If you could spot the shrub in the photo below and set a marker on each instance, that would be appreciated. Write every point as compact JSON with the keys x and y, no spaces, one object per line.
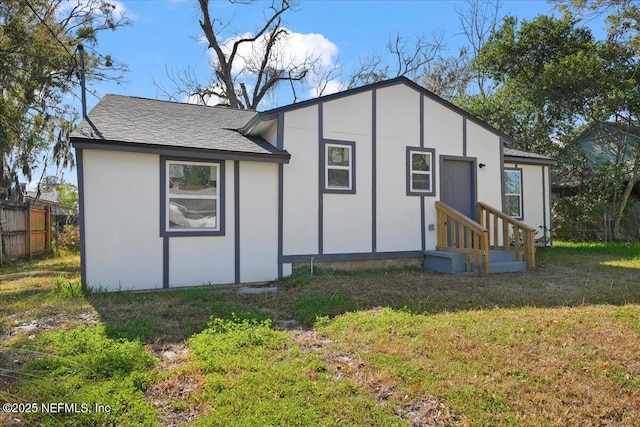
{"x":69,"y":238}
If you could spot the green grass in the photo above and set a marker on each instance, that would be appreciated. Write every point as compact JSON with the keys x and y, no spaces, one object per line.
{"x":554,"y":346}
{"x":258,"y":376}
{"x":85,"y":368}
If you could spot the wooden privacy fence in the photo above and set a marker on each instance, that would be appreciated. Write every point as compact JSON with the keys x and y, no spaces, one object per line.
{"x":25,"y":231}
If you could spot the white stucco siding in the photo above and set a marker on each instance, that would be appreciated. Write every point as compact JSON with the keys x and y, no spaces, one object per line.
{"x":535,"y":198}
{"x":485,"y":147}
{"x":202,"y":260}
{"x":122,"y":240}
{"x":300,"y":210}
{"x":442,"y":129}
{"x":347,"y":218}
{"x":258,"y":221}
{"x":397,"y":126}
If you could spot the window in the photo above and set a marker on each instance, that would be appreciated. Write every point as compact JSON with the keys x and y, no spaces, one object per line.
{"x":192,"y":197}
{"x":420,"y":176}
{"x":513,"y":192}
{"x":339,"y":167}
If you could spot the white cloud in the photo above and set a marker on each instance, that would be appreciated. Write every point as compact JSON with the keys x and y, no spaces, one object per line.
{"x":292,"y":50}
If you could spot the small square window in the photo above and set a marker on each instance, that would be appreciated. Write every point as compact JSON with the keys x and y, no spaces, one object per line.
{"x":191,"y":198}
{"x":339,"y":167}
{"x":420,"y":177}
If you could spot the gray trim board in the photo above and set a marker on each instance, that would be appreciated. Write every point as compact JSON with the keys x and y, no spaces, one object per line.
{"x":280,"y":134}
{"x":81,"y":218}
{"x":280,"y":218}
{"x":280,"y":144}
{"x":423,"y":226}
{"x":464,"y":137}
{"x":409,"y":151}
{"x":503,"y":207}
{"x":544,"y":204}
{"x":361,"y":256}
{"x":194,"y":153}
{"x":165,"y":262}
{"x":352,"y":145}
{"x":236,"y":215}
{"x":528,"y":161}
{"x":423,"y":219}
{"x":421,"y":119}
{"x":374,"y":159}
{"x":321,"y":179}
{"x":549,"y":209}
{"x":163,"y":197}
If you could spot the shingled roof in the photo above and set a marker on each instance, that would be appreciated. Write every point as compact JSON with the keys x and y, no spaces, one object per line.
{"x":140,"y":121}
{"x":517,"y":155}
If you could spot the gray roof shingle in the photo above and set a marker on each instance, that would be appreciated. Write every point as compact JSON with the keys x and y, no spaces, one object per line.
{"x":128,"y":119}
{"x":509,"y":151}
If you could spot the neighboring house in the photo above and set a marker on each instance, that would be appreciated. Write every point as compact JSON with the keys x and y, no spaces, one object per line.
{"x":600,"y":143}
{"x":599,"y":150}
{"x":177,"y":195}
{"x":50,"y":198}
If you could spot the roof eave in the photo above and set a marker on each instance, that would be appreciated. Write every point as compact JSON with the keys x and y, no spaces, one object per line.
{"x":127,"y":146}
{"x":529,"y":160}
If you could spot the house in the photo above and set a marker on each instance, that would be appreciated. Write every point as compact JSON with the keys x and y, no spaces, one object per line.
{"x":50,"y":198}
{"x":177,"y":195}
{"x":607,"y":150}
{"x":600,"y":143}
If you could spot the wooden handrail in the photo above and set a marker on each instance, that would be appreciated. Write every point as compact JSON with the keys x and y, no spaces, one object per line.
{"x":459,"y":233}
{"x":508,"y":237}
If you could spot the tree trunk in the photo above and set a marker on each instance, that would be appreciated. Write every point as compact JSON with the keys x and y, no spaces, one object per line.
{"x":622,"y":204}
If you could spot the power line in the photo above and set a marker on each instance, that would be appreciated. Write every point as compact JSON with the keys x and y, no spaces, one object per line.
{"x":51,"y":31}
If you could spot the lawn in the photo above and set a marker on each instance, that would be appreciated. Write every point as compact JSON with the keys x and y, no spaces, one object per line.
{"x":397,"y":347}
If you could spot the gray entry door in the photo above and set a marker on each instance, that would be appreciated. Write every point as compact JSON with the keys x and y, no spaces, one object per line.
{"x":457,"y":187}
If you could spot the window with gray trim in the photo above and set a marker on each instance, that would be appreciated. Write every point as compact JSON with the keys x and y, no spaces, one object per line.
{"x":420,"y":171}
{"x":192,"y":197}
{"x":339,"y":167}
{"x":513,"y":192}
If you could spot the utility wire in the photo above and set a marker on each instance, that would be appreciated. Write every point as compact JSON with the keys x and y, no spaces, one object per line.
{"x":51,"y":31}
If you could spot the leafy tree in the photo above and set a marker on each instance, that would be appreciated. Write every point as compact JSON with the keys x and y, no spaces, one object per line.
{"x":550,"y":76}
{"x":49,"y":183}
{"x":38,"y":63}
{"x":622,"y":17}
{"x":543,"y":73}
{"x":68,"y":194}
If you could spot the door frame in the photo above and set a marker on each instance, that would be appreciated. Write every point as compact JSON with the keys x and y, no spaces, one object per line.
{"x":473,"y":161}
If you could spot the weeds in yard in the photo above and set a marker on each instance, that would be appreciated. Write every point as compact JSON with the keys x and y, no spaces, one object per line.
{"x":258,"y":376}
{"x":68,"y":288}
{"x":562,"y":366}
{"x":83,"y":368}
{"x":554,"y":346}
{"x":310,"y":307}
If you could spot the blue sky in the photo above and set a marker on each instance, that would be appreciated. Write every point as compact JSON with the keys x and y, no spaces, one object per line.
{"x":165,"y":34}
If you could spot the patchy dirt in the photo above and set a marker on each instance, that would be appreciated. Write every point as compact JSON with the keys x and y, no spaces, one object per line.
{"x":175,"y":385}
{"x":424,"y":411}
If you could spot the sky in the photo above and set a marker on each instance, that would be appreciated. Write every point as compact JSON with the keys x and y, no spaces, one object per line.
{"x":165,"y":37}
